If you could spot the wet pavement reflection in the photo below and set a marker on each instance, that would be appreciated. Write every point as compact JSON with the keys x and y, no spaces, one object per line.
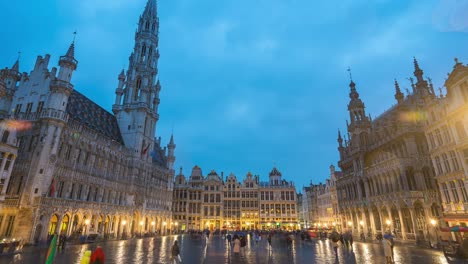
{"x":217,"y":251}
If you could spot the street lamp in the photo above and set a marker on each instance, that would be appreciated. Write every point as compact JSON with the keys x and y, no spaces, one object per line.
{"x":141,"y":227}
{"x":123,"y":228}
{"x":87,"y":226}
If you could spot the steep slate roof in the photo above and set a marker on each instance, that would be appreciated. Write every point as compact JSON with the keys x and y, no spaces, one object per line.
{"x":88,"y":113}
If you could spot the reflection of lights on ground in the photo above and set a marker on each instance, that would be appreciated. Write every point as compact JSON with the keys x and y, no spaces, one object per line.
{"x":120,"y":250}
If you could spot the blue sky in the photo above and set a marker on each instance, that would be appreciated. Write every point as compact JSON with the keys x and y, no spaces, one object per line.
{"x":247,"y":84}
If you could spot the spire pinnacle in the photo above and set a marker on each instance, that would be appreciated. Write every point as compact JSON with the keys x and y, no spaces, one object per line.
{"x":418,"y":73}
{"x":151,"y":8}
{"x":171,"y":141}
{"x":16,"y":65}
{"x":122,"y":75}
{"x":398,"y":94}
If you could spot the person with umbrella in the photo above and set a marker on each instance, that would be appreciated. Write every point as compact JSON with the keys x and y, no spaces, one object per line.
{"x":237,"y":245}
{"x":387,"y":244}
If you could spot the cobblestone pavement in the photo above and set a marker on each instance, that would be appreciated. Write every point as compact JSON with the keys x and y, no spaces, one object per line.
{"x":215,"y":251}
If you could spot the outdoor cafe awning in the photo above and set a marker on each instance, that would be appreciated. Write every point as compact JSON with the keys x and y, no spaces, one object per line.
{"x":454,"y":229}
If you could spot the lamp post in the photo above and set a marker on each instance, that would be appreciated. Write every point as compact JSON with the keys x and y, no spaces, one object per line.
{"x":164,"y":224}
{"x":86,"y":226}
{"x":123,"y":227}
{"x":177,"y":226}
{"x":141,"y":227}
{"x":388,"y":222}
{"x":434,"y":225}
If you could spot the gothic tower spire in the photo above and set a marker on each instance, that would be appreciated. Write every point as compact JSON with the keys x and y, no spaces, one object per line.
{"x":137,"y":96}
{"x":421,"y":87}
{"x":398,"y":94}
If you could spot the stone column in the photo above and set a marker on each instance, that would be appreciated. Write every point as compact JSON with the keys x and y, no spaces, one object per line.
{"x":372,"y":220}
{"x":413,"y":220}
{"x":403,"y":228}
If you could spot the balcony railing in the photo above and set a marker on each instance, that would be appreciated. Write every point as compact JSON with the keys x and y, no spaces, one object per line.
{"x":45,"y":113}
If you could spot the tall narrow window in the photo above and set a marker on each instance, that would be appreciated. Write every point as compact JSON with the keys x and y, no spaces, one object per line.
{"x":453,"y":187}
{"x":60,"y":189}
{"x":462,"y":187}
{"x":137,"y":90}
{"x":18,"y":108}
{"x":453,"y":157}
{"x":29,"y":108}
{"x":40,"y":106}
{"x":5,"y":136}
{"x":143,"y":52}
{"x":446,"y":163}
{"x":8,"y":162}
{"x":438,"y":166}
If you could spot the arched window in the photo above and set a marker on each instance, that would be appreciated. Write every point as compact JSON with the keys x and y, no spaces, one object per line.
{"x":143,"y":52}
{"x":137,"y":90}
{"x":147,"y":25}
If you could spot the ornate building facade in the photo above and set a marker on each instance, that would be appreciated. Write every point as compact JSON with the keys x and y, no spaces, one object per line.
{"x":80,"y":169}
{"x":320,"y":203}
{"x":388,"y":178}
{"x":214,"y":203}
{"x":447,"y":134}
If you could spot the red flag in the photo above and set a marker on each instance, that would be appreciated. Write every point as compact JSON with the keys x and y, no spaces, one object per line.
{"x":52,"y":187}
{"x":145,"y":150}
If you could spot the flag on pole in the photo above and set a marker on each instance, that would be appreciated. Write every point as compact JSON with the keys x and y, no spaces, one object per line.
{"x":52,"y":187}
{"x":145,"y":150}
{"x":51,"y":251}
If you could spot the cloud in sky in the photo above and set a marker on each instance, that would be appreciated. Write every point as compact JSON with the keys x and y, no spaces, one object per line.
{"x":247,"y":84}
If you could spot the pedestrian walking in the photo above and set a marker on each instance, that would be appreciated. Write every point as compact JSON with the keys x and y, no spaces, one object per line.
{"x":335,"y":237}
{"x":269,"y":241}
{"x":389,"y":236}
{"x":349,"y":238}
{"x":237,"y":245}
{"x":229,"y":238}
{"x":387,"y":244}
{"x":98,"y":256}
{"x":62,"y":241}
{"x":175,"y":253}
